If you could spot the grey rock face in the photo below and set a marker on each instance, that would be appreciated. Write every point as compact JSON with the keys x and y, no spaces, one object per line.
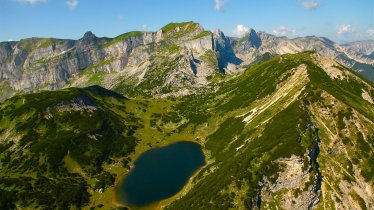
{"x":253,"y":39}
{"x":88,"y":39}
{"x":355,"y":55}
{"x":223,"y":46}
{"x":200,"y":45}
{"x":361,"y":47}
{"x":34,"y":64}
{"x":250,"y":40}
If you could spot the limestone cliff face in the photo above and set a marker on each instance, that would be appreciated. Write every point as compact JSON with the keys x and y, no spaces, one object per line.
{"x":200,"y":45}
{"x":34,"y":64}
{"x":26,"y":68}
{"x":226,"y":52}
{"x":295,"y":132}
{"x":297,"y":185}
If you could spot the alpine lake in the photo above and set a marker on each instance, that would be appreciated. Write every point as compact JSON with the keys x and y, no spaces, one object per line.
{"x":159,"y":173}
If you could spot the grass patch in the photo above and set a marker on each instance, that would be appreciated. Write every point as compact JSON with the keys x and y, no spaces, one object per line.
{"x":184,"y":29}
{"x":123,"y":37}
{"x":359,"y":200}
{"x":201,"y":35}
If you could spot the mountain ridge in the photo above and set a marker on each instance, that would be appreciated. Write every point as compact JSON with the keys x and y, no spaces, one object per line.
{"x":137,"y":59}
{"x":301,"y":115}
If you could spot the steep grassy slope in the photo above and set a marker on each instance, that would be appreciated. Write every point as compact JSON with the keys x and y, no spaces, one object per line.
{"x":54,"y":146}
{"x":293,"y":132}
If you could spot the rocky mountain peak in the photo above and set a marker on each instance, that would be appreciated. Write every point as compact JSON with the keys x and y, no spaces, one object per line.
{"x":51,"y":63}
{"x":178,"y":30}
{"x":88,"y":38}
{"x":218,"y":33}
{"x":252,"y":39}
{"x":264,"y":35}
{"x":251,"y":31}
{"x":89,"y":35}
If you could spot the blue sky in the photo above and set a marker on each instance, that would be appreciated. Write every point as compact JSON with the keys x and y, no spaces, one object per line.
{"x":339,"y":20}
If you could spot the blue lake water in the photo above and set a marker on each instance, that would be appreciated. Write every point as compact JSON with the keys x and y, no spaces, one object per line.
{"x":160,"y":173}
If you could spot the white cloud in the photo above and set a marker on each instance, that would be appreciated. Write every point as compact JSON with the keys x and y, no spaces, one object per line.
{"x":120,"y":17}
{"x":283,"y":31}
{"x":311,"y":4}
{"x":219,"y":5}
{"x":32,"y":1}
{"x":370,"y":32}
{"x":72,"y":4}
{"x":145,"y":27}
{"x":344,"y":29}
{"x":240,"y":30}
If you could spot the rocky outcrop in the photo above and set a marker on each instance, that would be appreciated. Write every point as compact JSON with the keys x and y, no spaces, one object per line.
{"x":250,"y":40}
{"x":201,"y":45}
{"x":297,"y":185}
{"x":223,"y":46}
{"x":35,"y":64}
{"x":255,"y":44}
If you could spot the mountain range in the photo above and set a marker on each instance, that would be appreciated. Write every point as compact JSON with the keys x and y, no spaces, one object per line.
{"x":283,"y":123}
{"x":180,"y":57}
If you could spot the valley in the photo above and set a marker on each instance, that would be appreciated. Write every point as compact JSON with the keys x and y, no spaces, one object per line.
{"x":302,"y":115}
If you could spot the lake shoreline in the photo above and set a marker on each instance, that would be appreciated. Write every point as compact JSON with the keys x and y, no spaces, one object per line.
{"x":188,"y":152}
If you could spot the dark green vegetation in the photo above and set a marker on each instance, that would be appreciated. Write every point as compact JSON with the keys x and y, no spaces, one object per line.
{"x":281,"y":113}
{"x":289,"y":132}
{"x":59,"y":143}
{"x":247,"y":167}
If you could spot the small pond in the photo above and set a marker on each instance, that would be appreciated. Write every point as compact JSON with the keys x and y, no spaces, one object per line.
{"x":160,"y":173}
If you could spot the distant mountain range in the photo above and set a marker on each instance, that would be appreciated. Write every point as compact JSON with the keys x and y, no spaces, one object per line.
{"x":179,"y":59}
{"x":361,"y":47}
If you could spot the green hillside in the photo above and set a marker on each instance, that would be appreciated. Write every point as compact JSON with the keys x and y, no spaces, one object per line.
{"x":293,"y":132}
{"x":277,"y":115}
{"x":55,"y":146}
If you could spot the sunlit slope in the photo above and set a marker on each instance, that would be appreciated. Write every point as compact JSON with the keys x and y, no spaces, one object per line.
{"x":56,"y":146}
{"x":294,"y":132}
